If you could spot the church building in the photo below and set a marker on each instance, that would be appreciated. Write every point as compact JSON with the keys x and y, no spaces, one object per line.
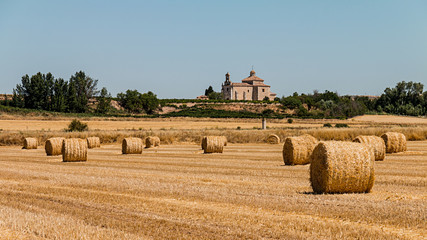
{"x":251,"y":88}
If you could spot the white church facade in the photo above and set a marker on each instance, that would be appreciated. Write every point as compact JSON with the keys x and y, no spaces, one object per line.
{"x":251,"y":88}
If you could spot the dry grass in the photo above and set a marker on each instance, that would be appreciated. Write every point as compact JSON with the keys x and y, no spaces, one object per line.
{"x":175,"y":192}
{"x":13,"y":132}
{"x":233,"y":136}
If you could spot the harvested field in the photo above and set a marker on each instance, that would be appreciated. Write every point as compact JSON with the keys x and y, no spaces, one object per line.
{"x":177,"y":192}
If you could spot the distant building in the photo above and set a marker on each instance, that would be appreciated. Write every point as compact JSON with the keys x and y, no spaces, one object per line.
{"x":251,"y":88}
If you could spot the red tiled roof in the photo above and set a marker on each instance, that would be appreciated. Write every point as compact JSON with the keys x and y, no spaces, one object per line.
{"x":241,"y":85}
{"x":252,"y":78}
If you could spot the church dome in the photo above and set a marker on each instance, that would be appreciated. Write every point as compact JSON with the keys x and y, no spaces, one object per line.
{"x":252,"y":73}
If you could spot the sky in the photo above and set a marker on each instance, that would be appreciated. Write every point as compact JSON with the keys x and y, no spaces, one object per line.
{"x":176,"y":49}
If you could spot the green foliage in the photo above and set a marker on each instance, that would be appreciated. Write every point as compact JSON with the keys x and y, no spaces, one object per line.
{"x":83,"y":88}
{"x":209,"y":90}
{"x":104,"y":101}
{"x":77,"y":126}
{"x":150,"y":103}
{"x":213,"y":113}
{"x":407,"y":98}
{"x":328,"y":125}
{"x":267,"y":113}
{"x":135,"y":102}
{"x":290,"y":120}
{"x":44,"y":92}
{"x":214,"y":96}
{"x":291,"y":102}
{"x":341,"y":125}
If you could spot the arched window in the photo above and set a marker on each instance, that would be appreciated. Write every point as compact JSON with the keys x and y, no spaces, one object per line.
{"x":235,"y":95}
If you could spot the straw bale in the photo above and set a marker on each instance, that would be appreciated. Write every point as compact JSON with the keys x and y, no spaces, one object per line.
{"x":152,"y":142}
{"x":297,"y":150}
{"x":394,"y":142}
{"x":342,"y":167}
{"x":213,"y":144}
{"x":74,"y":150}
{"x":132,"y":145}
{"x":224,"y":139}
{"x":30,"y":143}
{"x":93,"y":142}
{"x":375,"y":143}
{"x":273,"y":139}
{"x":53,"y":146}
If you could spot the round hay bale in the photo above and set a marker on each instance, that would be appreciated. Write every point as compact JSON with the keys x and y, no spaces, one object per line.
{"x":224,"y":139}
{"x":132,"y":145}
{"x":342,"y":167}
{"x":74,"y":150}
{"x":93,"y":142}
{"x":30,"y":143}
{"x":53,"y":146}
{"x":152,"y":142}
{"x":394,"y":142}
{"x":273,"y":139}
{"x":213,"y":144}
{"x":297,"y":150}
{"x":375,"y":143}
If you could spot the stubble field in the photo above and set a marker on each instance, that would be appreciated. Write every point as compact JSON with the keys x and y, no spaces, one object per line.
{"x":176,"y":192}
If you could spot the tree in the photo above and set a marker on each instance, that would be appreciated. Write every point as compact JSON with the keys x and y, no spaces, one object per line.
{"x":84,"y":88}
{"x":135,"y":102}
{"x":406,"y":98}
{"x":59,"y":97}
{"x":34,"y":92}
{"x":104,"y":101}
{"x":150,"y":103}
{"x":131,"y":101}
{"x":215,"y":96}
{"x":291,"y":102}
{"x":208,"y":91}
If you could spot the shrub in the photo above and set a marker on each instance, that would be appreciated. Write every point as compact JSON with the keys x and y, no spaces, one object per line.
{"x":239,"y":128}
{"x":77,"y":126}
{"x":290,"y":120}
{"x":341,"y":125}
{"x":327,"y":125}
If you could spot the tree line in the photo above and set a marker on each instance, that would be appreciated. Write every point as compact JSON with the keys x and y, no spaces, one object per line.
{"x":45,"y":92}
{"x":407,"y":98}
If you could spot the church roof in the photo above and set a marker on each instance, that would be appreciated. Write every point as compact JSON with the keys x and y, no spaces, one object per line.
{"x":241,"y":85}
{"x":252,"y":77}
{"x":248,"y":85}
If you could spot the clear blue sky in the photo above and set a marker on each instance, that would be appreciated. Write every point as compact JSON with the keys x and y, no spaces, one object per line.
{"x":178,"y":48}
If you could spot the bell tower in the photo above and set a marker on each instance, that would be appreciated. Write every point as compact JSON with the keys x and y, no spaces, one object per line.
{"x":227,"y":79}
